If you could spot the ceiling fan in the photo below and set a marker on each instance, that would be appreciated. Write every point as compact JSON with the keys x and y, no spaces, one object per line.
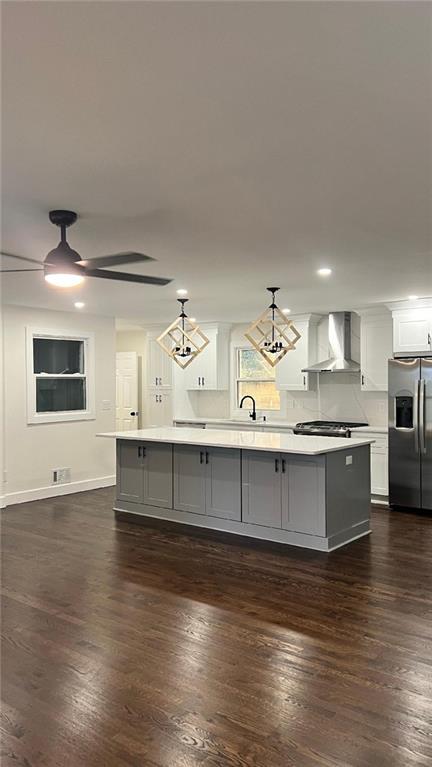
{"x":64,"y":267}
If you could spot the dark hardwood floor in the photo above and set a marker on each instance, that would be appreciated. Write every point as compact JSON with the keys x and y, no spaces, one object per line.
{"x":131,"y":645}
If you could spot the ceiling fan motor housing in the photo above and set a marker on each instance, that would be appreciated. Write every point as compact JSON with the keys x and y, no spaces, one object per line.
{"x":62,"y":217}
{"x":63,"y":255}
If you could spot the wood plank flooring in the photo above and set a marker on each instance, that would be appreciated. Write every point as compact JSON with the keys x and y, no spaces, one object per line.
{"x":126,"y":645}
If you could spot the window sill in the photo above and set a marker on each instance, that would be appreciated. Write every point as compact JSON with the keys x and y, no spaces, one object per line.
{"x":61,"y":417}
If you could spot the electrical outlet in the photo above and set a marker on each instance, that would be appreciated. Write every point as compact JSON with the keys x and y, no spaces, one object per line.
{"x":60,"y":476}
{"x":348,"y":460}
{"x":106,"y":404}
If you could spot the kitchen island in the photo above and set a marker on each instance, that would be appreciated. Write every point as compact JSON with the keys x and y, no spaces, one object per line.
{"x":305,"y":491}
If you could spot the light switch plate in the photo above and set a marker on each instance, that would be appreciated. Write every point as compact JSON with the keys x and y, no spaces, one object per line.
{"x":348,"y":460}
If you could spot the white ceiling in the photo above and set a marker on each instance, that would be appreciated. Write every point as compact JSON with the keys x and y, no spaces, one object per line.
{"x":242,"y":145}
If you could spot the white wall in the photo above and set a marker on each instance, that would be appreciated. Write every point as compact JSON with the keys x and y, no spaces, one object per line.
{"x":32,"y":451}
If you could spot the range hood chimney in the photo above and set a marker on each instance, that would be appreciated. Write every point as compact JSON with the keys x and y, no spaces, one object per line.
{"x":340,"y":346}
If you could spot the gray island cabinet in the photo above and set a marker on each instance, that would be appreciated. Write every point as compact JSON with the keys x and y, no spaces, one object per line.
{"x":305,"y":491}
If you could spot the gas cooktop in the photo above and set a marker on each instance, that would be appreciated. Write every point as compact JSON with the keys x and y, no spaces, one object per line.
{"x":327,"y":428}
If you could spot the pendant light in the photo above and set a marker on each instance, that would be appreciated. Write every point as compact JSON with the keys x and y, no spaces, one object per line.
{"x":272,"y":334}
{"x":183,"y":340}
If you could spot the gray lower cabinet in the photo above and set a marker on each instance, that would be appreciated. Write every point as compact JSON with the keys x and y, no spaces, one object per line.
{"x":303,"y":494}
{"x":189,"y":482}
{"x":223,"y":483}
{"x":261,"y":488}
{"x":144,"y":473}
{"x":129,"y":471}
{"x":284,"y":491}
{"x":207,"y":481}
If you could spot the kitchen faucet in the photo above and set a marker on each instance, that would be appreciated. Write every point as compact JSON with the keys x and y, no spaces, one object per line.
{"x":253,"y":414}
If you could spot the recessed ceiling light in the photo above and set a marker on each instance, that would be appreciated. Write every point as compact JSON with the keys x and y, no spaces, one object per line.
{"x":182,"y":292}
{"x":412,"y":298}
{"x":79,"y":304}
{"x":324,"y":272}
{"x":286,"y":311}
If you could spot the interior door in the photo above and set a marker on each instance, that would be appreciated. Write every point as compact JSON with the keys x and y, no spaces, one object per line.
{"x":126,"y":391}
{"x":404,"y":454}
{"x":425,"y":425}
{"x":261,"y":488}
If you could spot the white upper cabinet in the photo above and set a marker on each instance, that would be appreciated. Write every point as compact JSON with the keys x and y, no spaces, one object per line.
{"x":376,"y":347}
{"x":159,"y":364}
{"x":412,"y":330}
{"x":209,"y":371}
{"x":289,"y":375}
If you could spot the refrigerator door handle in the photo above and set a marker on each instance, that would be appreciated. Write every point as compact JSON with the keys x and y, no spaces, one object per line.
{"x":422,"y":434}
{"x":416,"y":416}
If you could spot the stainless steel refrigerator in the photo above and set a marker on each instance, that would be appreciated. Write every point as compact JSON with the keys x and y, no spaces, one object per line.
{"x":410,"y":432}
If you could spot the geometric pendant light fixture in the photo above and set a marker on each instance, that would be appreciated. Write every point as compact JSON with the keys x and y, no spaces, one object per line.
{"x":183,"y":340}
{"x":272,"y":334}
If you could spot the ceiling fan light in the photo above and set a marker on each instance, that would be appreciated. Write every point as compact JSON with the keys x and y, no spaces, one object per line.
{"x":64,"y":280}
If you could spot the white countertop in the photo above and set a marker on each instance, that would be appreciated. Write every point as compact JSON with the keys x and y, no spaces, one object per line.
{"x":370,"y":429}
{"x":242,"y":440}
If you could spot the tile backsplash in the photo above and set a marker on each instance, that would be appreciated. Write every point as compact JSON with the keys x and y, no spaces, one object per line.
{"x":336,"y":397}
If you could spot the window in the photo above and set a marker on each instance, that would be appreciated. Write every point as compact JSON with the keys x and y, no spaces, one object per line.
{"x":256,"y":377}
{"x":60,"y":385}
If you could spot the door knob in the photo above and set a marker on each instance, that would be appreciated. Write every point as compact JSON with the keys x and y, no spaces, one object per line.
{"x":134,"y":412}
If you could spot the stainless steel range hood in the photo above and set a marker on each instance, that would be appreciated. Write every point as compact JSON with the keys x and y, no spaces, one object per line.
{"x":340,"y":345}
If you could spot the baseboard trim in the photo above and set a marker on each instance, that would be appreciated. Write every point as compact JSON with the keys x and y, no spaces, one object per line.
{"x":380,"y":500}
{"x":39,"y":493}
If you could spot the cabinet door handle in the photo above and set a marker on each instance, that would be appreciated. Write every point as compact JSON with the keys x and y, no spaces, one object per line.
{"x":283,"y":465}
{"x":199,"y":380}
{"x":363,"y":380}
{"x":429,"y":339}
{"x":139,"y":451}
{"x":207,"y":457}
{"x":156,"y":381}
{"x":160,"y":381}
{"x":276,"y":465}
{"x":304,"y":380}
{"x":203,"y":381}
{"x":201,"y":456}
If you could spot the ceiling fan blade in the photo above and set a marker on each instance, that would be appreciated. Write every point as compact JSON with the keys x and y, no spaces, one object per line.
{"x":20,"y":258}
{"x":126,"y":277}
{"x":5,"y":271}
{"x":128,"y":257}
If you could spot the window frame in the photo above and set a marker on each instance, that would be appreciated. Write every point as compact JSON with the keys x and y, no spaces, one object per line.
{"x":236,"y":410}
{"x":33,"y":417}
